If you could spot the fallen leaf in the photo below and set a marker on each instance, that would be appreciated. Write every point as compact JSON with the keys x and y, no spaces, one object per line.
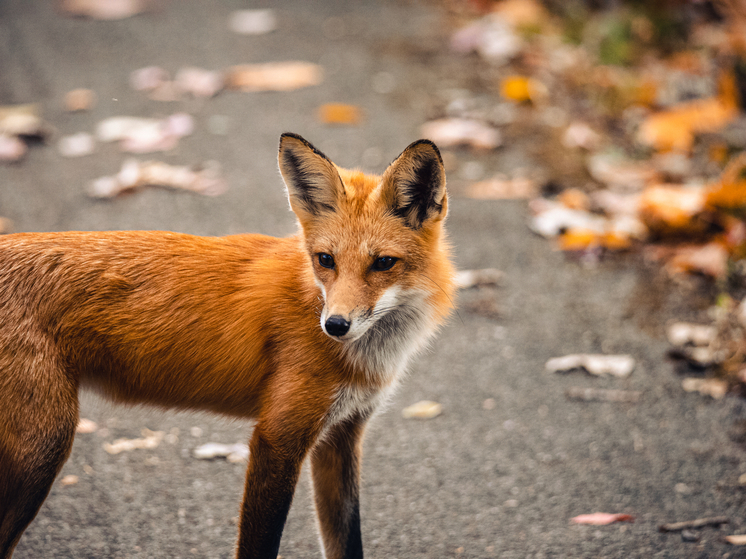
{"x":730,"y":191}
{"x":601,"y":518}
{"x":424,"y":409}
{"x":710,"y":259}
{"x":340,"y":113}
{"x":204,"y":179}
{"x":673,"y":209}
{"x":580,"y":135}
{"x":521,"y":13}
{"x":22,"y":120}
{"x":615,"y":365}
{"x":552,"y":218}
{"x":252,"y":22}
{"x":675,"y":129}
{"x":86,"y":426}
{"x":145,"y":135}
{"x":104,"y":9}
{"x":198,"y":81}
{"x":466,"y":279}
{"x":69,"y":479}
{"x":520,"y":88}
{"x":76,"y":145}
{"x":714,"y":387}
{"x":233,"y":453}
{"x":148,"y":78}
{"x":736,"y":539}
{"x":492,"y":37}
{"x":575,"y":199}
{"x":685,"y":333}
{"x":503,"y":188}
{"x":12,"y":148}
{"x":618,"y":172}
{"x":150,"y":439}
{"x":274,"y":76}
{"x":80,"y":100}
{"x":452,"y":132}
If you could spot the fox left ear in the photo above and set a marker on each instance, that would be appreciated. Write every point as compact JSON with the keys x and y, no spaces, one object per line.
{"x":313,"y":183}
{"x":414,"y":185}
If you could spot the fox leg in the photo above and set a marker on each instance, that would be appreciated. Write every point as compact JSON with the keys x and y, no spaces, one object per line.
{"x":274,"y":467}
{"x":37,"y":427}
{"x":335,"y":468}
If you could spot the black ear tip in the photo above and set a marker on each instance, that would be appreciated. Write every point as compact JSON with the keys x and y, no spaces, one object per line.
{"x":293,"y":136}
{"x":423,"y":143}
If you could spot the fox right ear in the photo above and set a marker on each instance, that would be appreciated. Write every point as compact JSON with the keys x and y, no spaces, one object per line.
{"x":313,"y":183}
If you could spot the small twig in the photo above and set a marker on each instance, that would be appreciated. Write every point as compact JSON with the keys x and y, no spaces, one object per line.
{"x":602,"y":395}
{"x":698,"y":523}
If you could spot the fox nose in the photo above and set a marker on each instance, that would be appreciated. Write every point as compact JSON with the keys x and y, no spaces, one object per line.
{"x":337,"y":326}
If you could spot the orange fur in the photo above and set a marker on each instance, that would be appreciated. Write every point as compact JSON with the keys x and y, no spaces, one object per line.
{"x":235,"y":325}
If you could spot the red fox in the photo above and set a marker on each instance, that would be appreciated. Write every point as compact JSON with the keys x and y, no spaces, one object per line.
{"x":307,"y":335}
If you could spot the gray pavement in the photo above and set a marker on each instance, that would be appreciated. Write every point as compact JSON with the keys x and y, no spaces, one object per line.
{"x":499,"y":480}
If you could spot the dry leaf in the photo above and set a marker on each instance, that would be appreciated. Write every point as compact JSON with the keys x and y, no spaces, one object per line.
{"x":575,"y":199}
{"x":145,"y":135}
{"x":714,"y":387}
{"x":618,"y":172}
{"x":710,"y":259}
{"x":424,"y":409}
{"x":198,"y":82}
{"x":452,"y":132}
{"x":274,"y":76}
{"x":520,"y":88}
{"x":86,"y":426}
{"x":736,"y":539}
{"x":672,"y":209}
{"x":76,"y":145}
{"x":104,"y":9}
{"x":674,"y":129}
{"x":466,"y":279}
{"x":685,"y":333}
{"x":148,"y":78}
{"x":150,"y":439}
{"x":69,"y":479}
{"x":339,"y":113}
{"x":503,"y":188}
{"x":580,"y":135}
{"x":615,"y":365}
{"x":204,"y":179}
{"x":233,"y":453}
{"x":252,"y":22}
{"x":11,"y":148}
{"x":730,"y":191}
{"x":22,"y":120}
{"x":80,"y":100}
{"x":601,"y":518}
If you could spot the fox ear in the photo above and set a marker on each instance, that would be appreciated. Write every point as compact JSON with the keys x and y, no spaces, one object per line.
{"x":313,"y":183}
{"x":414,"y":185}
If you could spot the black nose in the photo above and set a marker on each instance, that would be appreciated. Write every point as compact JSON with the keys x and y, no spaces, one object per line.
{"x":336,"y":326}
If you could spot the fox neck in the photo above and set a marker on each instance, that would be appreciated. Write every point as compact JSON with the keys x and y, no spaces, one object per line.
{"x":384,"y":351}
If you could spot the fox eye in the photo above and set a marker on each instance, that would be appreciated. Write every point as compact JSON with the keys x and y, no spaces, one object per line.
{"x":326,"y":260}
{"x":384,"y":263}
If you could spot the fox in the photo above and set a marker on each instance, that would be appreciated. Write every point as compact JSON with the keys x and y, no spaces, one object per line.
{"x":306,"y":335}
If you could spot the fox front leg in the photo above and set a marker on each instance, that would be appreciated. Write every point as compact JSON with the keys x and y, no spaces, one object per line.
{"x":274,"y":468}
{"x":335,"y":468}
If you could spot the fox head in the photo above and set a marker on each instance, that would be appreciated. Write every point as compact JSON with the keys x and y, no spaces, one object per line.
{"x":375,"y":243}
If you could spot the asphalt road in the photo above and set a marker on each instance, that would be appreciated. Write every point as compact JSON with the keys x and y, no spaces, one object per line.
{"x":511,"y":460}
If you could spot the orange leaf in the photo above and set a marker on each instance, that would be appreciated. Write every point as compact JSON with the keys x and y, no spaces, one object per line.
{"x":339,"y":113}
